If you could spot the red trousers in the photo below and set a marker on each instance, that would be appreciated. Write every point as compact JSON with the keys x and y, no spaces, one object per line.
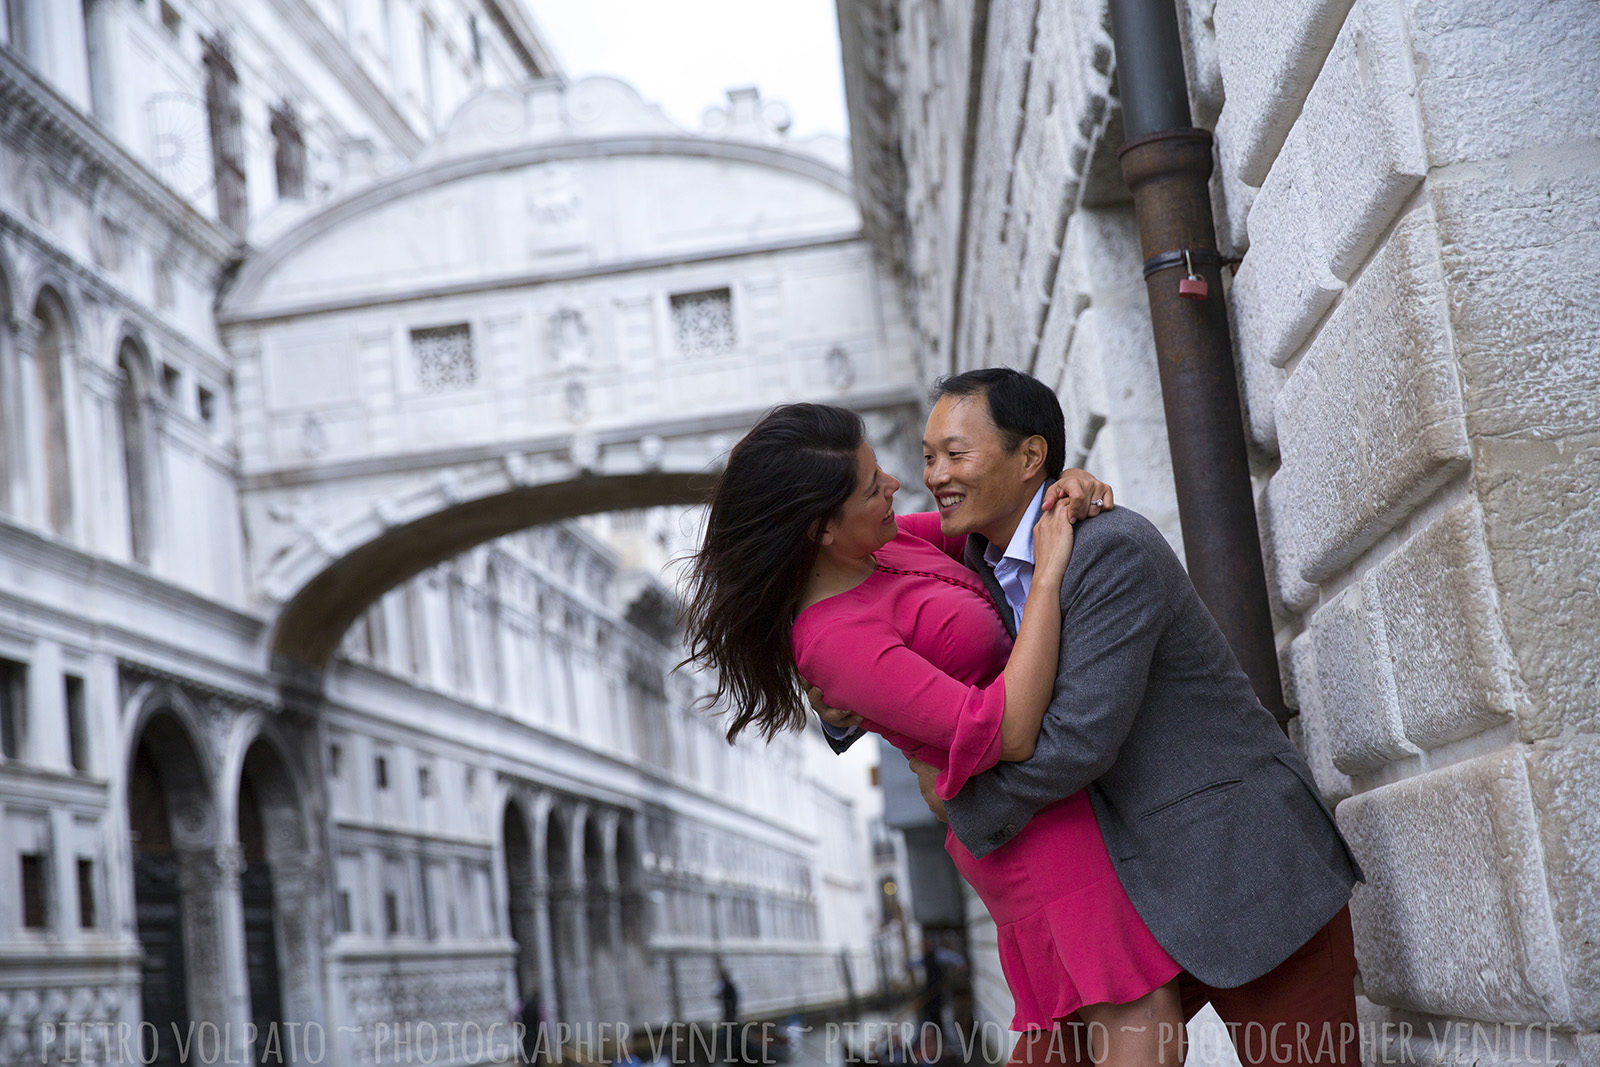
{"x":1300,"y":1013}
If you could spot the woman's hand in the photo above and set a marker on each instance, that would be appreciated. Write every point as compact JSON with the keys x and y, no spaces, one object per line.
{"x":1085,"y":495}
{"x":1052,"y":545}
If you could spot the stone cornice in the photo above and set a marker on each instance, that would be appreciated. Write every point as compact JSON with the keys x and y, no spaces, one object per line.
{"x":522,"y":279}
{"x":31,"y":105}
{"x":340,"y":62}
{"x":700,"y":425}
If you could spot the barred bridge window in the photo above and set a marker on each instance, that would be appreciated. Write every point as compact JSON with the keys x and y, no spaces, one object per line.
{"x":703,"y":322}
{"x":444,"y":358}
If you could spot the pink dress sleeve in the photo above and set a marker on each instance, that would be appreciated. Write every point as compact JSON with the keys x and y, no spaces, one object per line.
{"x":925,"y":525}
{"x":862,"y":663}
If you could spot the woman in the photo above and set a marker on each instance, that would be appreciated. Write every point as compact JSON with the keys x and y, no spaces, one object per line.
{"x":805,"y":571}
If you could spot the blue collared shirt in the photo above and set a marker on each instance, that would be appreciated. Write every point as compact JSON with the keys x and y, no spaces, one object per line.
{"x":1013,"y":567}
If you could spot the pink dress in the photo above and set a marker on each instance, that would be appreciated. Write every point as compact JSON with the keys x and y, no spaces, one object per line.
{"x":917,"y":650}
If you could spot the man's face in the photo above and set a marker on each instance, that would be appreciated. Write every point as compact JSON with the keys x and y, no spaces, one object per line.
{"x":978,"y":485}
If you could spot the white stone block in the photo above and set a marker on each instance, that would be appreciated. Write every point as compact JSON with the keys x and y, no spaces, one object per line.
{"x":1497,"y":78}
{"x":1370,"y":421}
{"x":1231,"y":200}
{"x":1520,"y":247}
{"x":1542,"y":525}
{"x":1360,"y":126}
{"x":1454,"y":918}
{"x":1281,"y":553}
{"x":1452,"y":668}
{"x":1284,"y":285}
{"x":1259,"y":384}
{"x":1565,"y":780}
{"x":1309,"y":729}
{"x":1269,"y":52}
{"x":1354,"y":686}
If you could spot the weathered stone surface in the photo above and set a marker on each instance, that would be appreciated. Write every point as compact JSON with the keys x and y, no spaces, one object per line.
{"x":1542,"y":526}
{"x":1283,"y":286}
{"x":1203,"y":71}
{"x":1269,"y":52}
{"x":1453,"y":672}
{"x":1495,"y":78}
{"x":1309,"y":729}
{"x":1280,"y":553}
{"x":1565,"y":780}
{"x":1259,"y":384}
{"x":1370,"y":421}
{"x":1353,"y":685}
{"x":1231,"y":200}
{"x":1454,"y":917}
{"x":1360,"y":125}
{"x":1520,"y":246}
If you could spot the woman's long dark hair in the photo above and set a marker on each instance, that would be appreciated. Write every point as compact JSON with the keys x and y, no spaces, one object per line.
{"x":789,"y":474}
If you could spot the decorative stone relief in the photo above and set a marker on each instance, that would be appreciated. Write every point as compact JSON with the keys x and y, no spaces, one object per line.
{"x":38,"y":201}
{"x":313,"y":438}
{"x":555,"y":209}
{"x":570,"y":343}
{"x":576,"y":400}
{"x":841,"y":371}
{"x":585,"y":456}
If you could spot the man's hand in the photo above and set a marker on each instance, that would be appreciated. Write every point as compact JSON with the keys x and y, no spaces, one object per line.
{"x":1085,"y":494}
{"x":835,"y":717}
{"x":926,"y":775}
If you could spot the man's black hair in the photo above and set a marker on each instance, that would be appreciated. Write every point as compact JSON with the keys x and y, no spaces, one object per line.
{"x":1020,"y":405}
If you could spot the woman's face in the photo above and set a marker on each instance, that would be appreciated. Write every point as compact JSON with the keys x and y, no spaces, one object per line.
{"x":865,"y":522}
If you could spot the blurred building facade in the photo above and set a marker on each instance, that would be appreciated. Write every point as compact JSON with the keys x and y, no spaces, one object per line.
{"x":477,"y":778}
{"x":1412,"y":189}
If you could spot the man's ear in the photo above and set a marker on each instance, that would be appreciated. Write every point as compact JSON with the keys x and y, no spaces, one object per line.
{"x":1034,"y":449}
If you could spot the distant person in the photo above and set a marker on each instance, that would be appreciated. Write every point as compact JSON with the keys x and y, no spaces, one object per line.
{"x":530,"y":1033}
{"x":728,"y":996}
{"x":806,"y":571}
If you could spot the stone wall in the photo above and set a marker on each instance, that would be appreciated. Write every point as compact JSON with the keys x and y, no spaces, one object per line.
{"x":1413,"y":190}
{"x":1417,"y":191}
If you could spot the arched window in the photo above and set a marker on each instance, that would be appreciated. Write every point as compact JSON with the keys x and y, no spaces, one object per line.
{"x":288,"y":153}
{"x":227,"y":135}
{"x":51,"y":318}
{"x":131,"y":395}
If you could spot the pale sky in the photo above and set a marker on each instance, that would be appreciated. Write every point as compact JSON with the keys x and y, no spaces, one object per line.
{"x":683,"y":54}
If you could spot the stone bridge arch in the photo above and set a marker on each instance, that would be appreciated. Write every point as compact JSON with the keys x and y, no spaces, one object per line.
{"x":570,"y":306}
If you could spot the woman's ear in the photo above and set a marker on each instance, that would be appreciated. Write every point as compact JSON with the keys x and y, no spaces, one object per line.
{"x":820,"y":531}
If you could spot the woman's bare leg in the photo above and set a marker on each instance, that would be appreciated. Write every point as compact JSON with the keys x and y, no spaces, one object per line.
{"x":1147,"y":1032}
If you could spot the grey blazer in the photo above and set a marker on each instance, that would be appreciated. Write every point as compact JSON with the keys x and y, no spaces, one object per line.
{"x":1210,"y":814}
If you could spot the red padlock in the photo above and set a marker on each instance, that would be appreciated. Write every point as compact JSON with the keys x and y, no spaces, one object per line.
{"x":1193,"y":287}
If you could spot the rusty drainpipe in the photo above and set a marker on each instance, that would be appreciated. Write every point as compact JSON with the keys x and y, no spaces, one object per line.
{"x":1167,"y":164}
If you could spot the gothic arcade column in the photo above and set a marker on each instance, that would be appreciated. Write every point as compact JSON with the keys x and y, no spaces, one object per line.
{"x":299,"y":884}
{"x":546,"y":949}
{"x":213,"y":938}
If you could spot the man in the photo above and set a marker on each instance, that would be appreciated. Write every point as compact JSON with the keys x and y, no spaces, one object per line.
{"x":1210,"y":815}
